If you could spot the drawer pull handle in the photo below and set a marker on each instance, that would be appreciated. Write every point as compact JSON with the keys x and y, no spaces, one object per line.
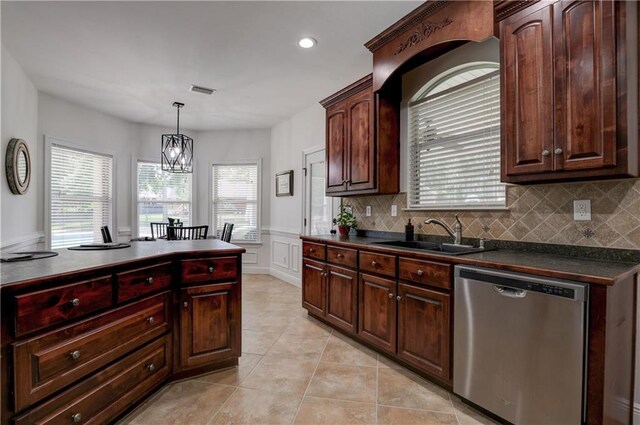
{"x":211,"y":269}
{"x":149,"y":280}
{"x":338,"y":255}
{"x":390,"y":295}
{"x":151,"y":320}
{"x":74,"y":302}
{"x":545,"y":152}
{"x":75,"y":355}
{"x":151,"y":367}
{"x":374,"y":263}
{"x":185,"y":304}
{"x":558,"y":151}
{"x":398,"y":298}
{"x":420,"y":272}
{"x":76,"y":418}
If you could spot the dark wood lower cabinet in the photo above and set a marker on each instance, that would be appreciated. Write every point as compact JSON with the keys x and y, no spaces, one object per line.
{"x":313,"y":286}
{"x":424,"y":329}
{"x":342,"y":298}
{"x":377,"y":311}
{"x":208,"y":331}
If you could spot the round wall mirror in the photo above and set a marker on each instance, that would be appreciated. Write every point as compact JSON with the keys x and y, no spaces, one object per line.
{"x":18,"y":166}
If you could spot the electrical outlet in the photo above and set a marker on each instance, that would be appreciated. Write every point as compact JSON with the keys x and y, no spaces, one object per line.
{"x":582,"y":210}
{"x":394,"y":210}
{"x":368,"y":211}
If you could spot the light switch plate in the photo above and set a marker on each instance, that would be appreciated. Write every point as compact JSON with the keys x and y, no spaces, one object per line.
{"x":582,"y":210}
{"x":394,"y":210}
{"x":368,"y":211}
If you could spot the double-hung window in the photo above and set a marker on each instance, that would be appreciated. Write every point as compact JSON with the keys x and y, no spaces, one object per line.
{"x":235,"y":199}
{"x":161,"y":194}
{"x":80,"y":195}
{"x":454,"y":141}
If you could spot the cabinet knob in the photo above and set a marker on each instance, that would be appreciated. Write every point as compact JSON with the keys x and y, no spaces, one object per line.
{"x":151,"y":367}
{"x":312,"y":250}
{"x":420,"y":272}
{"x":398,"y":298}
{"x":374,"y":263}
{"x":75,"y":302}
{"x":151,"y":320}
{"x":76,"y":418}
{"x":75,"y":355}
{"x":211,"y":269}
{"x":390,"y":296}
{"x":149,"y":280}
{"x":338,"y":255}
{"x":185,"y":304}
{"x":545,"y":152}
{"x":558,"y":151}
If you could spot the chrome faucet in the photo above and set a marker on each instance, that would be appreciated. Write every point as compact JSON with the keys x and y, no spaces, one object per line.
{"x":456,"y":234}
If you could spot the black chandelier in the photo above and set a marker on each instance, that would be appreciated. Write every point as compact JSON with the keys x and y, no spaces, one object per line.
{"x":177,"y":149}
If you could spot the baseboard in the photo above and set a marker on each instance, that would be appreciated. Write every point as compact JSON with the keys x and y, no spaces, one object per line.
{"x":293,"y":280}
{"x":636,"y":413}
{"x":23,"y":242}
{"x":255,"y":270}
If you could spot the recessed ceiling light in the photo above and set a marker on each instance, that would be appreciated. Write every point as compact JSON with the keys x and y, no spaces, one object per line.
{"x":200,"y":89}
{"x":307,"y":42}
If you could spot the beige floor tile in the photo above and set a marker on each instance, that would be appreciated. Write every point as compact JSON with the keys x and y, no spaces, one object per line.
{"x":308,"y":327}
{"x":255,"y":407}
{"x":267,"y":323}
{"x":467,"y":415}
{"x":258,"y":342}
{"x":400,"y":416}
{"x":323,"y":411}
{"x":344,"y":382}
{"x":299,"y":345}
{"x":341,"y":349}
{"x":385,"y":363}
{"x":234,"y":375}
{"x":187,"y":402}
{"x":281,"y":373}
{"x":402,"y":388}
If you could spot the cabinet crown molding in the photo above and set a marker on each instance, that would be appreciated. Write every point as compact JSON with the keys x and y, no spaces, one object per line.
{"x":361,"y":84}
{"x":505,"y":8}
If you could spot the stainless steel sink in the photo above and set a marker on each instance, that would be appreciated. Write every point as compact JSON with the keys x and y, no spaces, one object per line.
{"x":444,"y":248}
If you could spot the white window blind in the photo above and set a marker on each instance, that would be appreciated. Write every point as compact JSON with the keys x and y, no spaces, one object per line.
{"x":81,"y":196}
{"x":235,"y":200}
{"x":161,"y":195}
{"x":454,"y":139}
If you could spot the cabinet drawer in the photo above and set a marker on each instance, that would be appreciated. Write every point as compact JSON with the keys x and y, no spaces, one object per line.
{"x":378,"y":263}
{"x":209,"y":269}
{"x":108,"y":393}
{"x":139,"y":282}
{"x":343,"y":256}
{"x":313,"y":250}
{"x":52,"y":361}
{"x":37,"y":310}
{"x":427,"y":272}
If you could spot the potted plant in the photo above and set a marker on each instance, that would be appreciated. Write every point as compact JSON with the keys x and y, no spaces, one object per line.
{"x":345,"y":219}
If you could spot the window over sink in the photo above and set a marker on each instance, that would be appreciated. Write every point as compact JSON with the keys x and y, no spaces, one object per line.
{"x":454,"y":141}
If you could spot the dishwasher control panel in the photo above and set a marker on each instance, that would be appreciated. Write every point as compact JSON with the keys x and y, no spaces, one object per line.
{"x":514,"y":282}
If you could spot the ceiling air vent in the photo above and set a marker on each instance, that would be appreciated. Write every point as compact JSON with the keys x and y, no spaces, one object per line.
{"x":200,"y":89}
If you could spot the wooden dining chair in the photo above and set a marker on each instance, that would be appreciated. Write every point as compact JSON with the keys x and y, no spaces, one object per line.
{"x":226,"y":232}
{"x":187,"y":232}
{"x":158,"y":230}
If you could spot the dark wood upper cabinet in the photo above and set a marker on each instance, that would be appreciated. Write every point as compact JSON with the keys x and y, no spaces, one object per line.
{"x":377,"y":311}
{"x":565,"y":73}
{"x":362,"y":145}
{"x":342,"y":298}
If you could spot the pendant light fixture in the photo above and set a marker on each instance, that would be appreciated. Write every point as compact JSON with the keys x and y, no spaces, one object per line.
{"x":177,"y":149}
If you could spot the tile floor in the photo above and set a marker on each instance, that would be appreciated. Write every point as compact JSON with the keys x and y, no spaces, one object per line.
{"x":295,"y":370}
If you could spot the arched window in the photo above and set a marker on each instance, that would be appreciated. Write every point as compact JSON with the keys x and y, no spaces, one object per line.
{"x":454,"y":141}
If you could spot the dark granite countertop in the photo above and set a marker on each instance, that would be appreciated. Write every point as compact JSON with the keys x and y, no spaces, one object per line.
{"x":587,"y":270}
{"x":74,"y":261}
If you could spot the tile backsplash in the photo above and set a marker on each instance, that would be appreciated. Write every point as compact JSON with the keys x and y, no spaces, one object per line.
{"x":540,"y":213}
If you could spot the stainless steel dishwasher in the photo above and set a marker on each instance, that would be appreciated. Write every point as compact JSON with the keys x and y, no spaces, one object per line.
{"x":519,"y":345}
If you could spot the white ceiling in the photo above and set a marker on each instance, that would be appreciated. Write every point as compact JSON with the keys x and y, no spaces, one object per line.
{"x":133,"y":59}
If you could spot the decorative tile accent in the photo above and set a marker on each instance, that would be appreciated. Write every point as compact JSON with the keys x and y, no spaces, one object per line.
{"x":541,"y":213}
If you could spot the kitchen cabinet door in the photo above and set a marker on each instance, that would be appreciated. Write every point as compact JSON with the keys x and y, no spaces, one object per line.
{"x":424,"y":329}
{"x":342,"y":298}
{"x":585,"y":84}
{"x":527,"y":93}
{"x":209,"y":323}
{"x":377,"y":311}
{"x":361,"y":154}
{"x":337,"y":148}
{"x":313,"y":286}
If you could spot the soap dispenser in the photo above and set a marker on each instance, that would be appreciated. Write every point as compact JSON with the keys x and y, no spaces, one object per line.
{"x":408,"y":231}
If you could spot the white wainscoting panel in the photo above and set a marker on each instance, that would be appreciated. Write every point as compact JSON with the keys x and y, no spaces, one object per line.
{"x":280,"y":253}
{"x":27,"y":243}
{"x":295,"y":256}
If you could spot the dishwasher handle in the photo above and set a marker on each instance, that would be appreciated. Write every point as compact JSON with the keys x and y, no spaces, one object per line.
{"x":505,"y":291}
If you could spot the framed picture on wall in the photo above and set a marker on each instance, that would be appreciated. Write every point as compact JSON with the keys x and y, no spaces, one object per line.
{"x":284,"y":183}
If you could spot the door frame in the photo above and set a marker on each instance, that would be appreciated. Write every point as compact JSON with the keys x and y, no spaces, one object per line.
{"x":305,"y":187}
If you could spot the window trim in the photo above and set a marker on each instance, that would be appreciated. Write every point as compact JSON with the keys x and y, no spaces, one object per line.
{"x":49,"y":141}
{"x":212,"y":228}
{"x":135,"y":222}
{"x":420,"y":96}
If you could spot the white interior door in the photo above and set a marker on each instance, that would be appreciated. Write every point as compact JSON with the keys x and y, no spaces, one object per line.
{"x":319,"y":209}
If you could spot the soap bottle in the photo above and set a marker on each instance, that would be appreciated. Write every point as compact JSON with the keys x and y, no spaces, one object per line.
{"x":408,"y":231}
